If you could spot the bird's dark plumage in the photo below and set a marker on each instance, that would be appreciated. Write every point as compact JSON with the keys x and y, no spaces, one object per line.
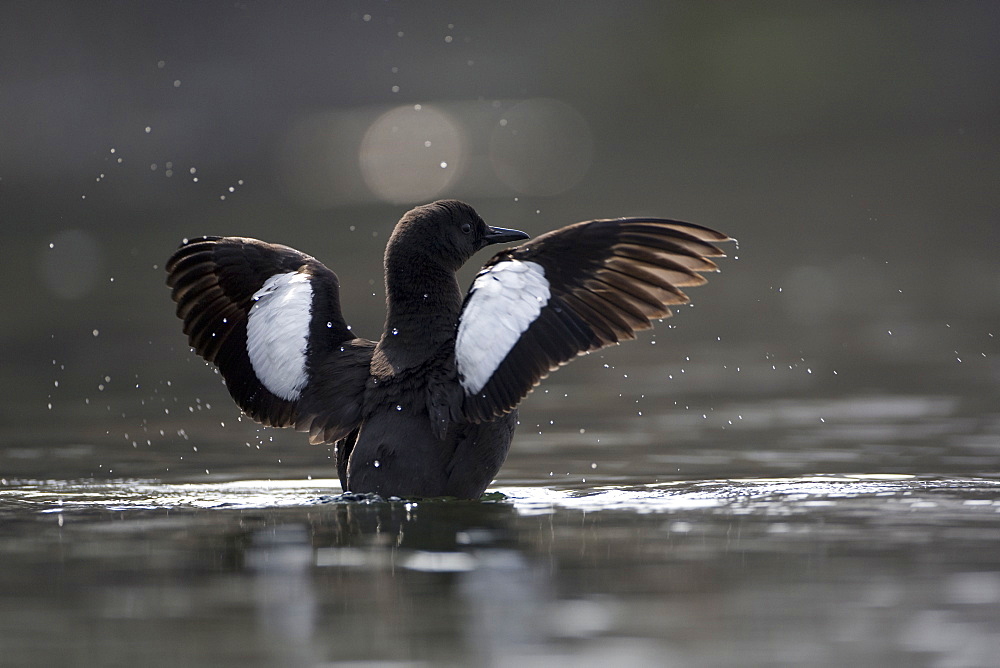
{"x":430,"y":408}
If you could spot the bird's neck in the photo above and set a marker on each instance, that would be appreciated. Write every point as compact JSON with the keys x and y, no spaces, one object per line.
{"x":423,"y":301}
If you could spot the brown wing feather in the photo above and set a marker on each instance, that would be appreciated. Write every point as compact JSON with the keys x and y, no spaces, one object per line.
{"x":608,"y":279}
{"x":213,"y":280}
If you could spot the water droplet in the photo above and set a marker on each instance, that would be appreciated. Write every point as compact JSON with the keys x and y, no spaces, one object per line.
{"x":395,"y":331}
{"x":376,"y":463}
{"x":329,"y":324}
{"x":398,"y":407}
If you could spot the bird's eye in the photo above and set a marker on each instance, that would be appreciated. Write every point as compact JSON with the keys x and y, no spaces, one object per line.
{"x":466,"y":228}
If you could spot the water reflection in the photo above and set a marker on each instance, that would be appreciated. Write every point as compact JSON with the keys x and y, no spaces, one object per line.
{"x":278,"y":561}
{"x":817,"y":570}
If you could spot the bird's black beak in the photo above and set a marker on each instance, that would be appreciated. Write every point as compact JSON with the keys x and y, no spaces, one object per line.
{"x":499,"y":235}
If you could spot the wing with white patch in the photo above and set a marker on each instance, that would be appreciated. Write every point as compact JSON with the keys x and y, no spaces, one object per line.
{"x":278,"y":333}
{"x":269,"y":318}
{"x":503,"y":302}
{"x":571,"y":291}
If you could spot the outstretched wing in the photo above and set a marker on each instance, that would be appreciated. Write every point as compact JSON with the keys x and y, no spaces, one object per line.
{"x":269,"y":318}
{"x":536,"y":306}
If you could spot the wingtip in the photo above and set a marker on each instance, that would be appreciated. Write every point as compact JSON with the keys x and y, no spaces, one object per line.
{"x":727,"y":239}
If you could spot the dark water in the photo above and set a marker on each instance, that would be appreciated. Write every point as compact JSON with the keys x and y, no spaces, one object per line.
{"x":803,"y":469}
{"x":849,"y":530}
{"x":827,"y":570}
{"x":670,"y":504}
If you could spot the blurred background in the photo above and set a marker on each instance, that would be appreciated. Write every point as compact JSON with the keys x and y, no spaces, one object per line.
{"x":853,"y":149}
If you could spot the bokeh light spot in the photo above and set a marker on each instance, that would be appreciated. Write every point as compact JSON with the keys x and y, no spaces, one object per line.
{"x":404,"y":151}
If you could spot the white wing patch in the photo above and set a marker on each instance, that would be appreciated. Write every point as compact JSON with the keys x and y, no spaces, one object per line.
{"x":503,"y":302}
{"x":277,"y":333}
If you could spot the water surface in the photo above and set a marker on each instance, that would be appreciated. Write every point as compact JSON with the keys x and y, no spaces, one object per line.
{"x":821,"y":570}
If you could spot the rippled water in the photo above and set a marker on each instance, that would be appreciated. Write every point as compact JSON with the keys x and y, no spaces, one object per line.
{"x":820,"y":570}
{"x":716,"y":508}
{"x":57,"y":496}
{"x":853,"y":526}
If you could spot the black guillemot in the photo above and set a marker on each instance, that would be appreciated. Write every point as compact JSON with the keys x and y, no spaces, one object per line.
{"x":430,"y":408}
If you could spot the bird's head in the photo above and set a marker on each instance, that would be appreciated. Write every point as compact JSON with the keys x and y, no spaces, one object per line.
{"x":448,"y":231}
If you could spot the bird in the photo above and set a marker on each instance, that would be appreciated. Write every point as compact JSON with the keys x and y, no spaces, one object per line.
{"x":430,"y":408}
